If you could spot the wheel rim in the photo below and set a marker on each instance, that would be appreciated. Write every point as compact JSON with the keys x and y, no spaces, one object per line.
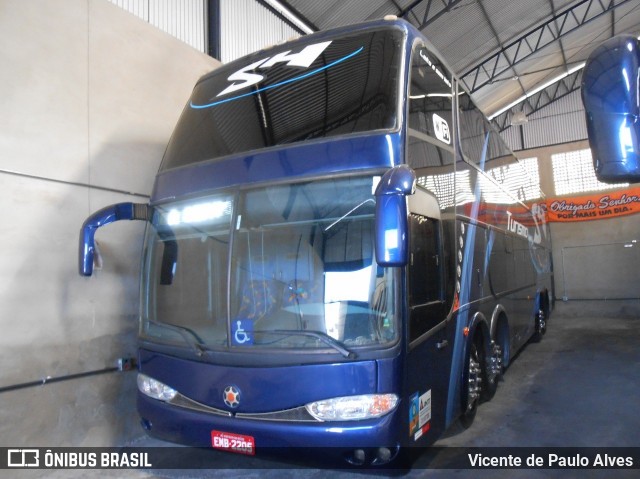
{"x":475,"y":379}
{"x":495,"y":365}
{"x":541,"y":324}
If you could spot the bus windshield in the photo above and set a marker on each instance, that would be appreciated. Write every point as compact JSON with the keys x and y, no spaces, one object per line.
{"x":294,"y":268}
{"x":290,"y":94}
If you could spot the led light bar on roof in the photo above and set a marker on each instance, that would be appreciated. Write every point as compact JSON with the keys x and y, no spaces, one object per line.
{"x":284,"y":11}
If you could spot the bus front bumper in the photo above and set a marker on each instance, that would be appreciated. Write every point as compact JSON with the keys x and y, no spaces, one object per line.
{"x":361,"y":443}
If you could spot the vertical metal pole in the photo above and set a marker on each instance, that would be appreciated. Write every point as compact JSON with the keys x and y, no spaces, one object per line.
{"x":213,"y":29}
{"x":564,"y":278}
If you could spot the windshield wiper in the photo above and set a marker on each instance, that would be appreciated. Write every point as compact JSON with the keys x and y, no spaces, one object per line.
{"x":189,"y":335}
{"x":325,"y":338}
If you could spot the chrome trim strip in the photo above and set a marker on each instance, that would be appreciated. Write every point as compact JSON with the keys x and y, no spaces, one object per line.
{"x":183,"y":401}
{"x":298,"y":414}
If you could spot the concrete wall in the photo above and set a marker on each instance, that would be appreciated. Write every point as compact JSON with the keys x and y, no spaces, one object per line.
{"x":90,"y":95}
{"x":590,"y":258}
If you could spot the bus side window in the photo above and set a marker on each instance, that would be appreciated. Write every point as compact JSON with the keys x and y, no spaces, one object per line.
{"x":430,"y":98}
{"x":424,"y":275}
{"x":430,"y":149}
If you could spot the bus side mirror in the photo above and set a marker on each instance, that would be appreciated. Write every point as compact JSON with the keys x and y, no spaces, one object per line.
{"x":117,"y":212}
{"x":610,"y":93}
{"x":392,"y":223}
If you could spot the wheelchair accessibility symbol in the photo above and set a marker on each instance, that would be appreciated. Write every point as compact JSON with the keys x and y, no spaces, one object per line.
{"x":242,"y":332}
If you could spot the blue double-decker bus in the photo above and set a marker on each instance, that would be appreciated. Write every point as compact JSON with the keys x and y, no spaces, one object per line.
{"x":340,"y":253}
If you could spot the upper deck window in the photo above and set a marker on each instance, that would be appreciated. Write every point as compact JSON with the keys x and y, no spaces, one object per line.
{"x":430,"y":105}
{"x":310,"y":89}
{"x":430,"y":126}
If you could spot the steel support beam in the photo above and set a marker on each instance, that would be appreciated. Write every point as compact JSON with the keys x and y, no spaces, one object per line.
{"x":541,"y":99}
{"x":535,"y":40}
{"x":213,"y":29}
{"x":434,"y":9}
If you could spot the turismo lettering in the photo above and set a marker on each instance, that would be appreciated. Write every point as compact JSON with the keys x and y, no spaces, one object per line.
{"x":516,"y":227}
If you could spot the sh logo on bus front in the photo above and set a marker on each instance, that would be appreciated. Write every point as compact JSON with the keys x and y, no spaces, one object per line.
{"x":246,"y":77}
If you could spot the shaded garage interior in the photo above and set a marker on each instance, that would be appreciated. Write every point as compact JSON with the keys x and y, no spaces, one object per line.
{"x":91,"y":94}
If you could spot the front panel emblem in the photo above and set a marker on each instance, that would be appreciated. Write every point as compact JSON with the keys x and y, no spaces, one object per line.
{"x":231,"y":396}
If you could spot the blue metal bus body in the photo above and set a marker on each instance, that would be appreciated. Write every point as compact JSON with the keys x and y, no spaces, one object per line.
{"x":362,"y":153}
{"x":357,"y":286}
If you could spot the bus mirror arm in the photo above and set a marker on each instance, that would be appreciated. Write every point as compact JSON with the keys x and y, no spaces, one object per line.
{"x":392,"y":222}
{"x":109,"y":214}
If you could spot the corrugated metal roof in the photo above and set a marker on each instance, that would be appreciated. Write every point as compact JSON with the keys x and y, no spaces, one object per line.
{"x":470,"y":31}
{"x":501,"y":49}
{"x":344,"y":13}
{"x":463,"y":38}
{"x":562,"y":121}
{"x":264,"y":30}
{"x":184,"y":19}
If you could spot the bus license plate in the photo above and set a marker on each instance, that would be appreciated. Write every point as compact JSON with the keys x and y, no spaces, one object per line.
{"x":238,"y":443}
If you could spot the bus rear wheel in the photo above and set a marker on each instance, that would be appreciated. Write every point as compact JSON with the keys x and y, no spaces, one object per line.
{"x":540,"y":325}
{"x":492,"y":372}
{"x":497,"y":360}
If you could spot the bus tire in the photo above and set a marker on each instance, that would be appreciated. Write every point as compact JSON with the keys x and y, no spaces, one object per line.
{"x":472,"y":382}
{"x":540,"y":325}
{"x":504,"y":343}
{"x":495,"y":363}
{"x":491,"y":374}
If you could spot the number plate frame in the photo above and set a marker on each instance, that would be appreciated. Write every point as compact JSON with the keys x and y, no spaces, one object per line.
{"x":231,"y":442}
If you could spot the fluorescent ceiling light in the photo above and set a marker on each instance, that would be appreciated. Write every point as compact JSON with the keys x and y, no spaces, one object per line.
{"x":431,"y":95}
{"x":537,"y":90}
{"x":284,"y":11}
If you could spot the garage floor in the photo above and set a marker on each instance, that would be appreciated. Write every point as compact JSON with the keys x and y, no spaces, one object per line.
{"x":579,"y":387}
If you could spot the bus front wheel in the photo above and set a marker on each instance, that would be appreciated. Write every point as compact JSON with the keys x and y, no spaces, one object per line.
{"x":472,"y":382}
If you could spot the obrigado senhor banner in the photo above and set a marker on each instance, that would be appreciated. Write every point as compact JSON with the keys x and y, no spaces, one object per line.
{"x":595,"y":206}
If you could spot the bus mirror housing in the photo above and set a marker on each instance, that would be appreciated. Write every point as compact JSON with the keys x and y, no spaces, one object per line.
{"x":392,"y":223}
{"x":610,"y":93}
{"x":109,"y":214}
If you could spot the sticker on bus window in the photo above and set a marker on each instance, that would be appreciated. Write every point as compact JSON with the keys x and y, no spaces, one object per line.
{"x":242,"y":332}
{"x":231,"y":442}
{"x":441,"y":129}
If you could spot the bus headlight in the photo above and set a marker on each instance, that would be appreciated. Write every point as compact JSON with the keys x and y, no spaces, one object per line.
{"x":353,"y":408}
{"x":155,"y":389}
